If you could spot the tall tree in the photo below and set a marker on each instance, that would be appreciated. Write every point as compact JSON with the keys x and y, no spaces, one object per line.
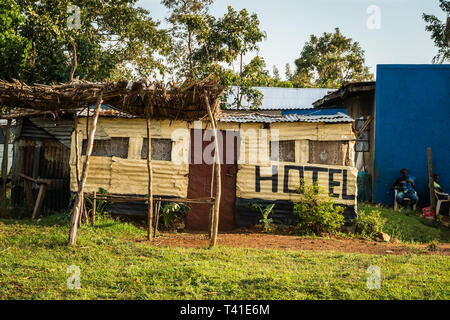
{"x":440,"y":32}
{"x":330,"y":61}
{"x":190,"y":22}
{"x":205,"y":45}
{"x":13,"y":47}
{"x":276,"y":73}
{"x":104,"y":42}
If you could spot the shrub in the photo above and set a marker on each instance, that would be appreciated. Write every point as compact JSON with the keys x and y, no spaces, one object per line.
{"x":316,"y":211}
{"x":100,"y":208}
{"x":173,"y":212}
{"x":369,"y":223}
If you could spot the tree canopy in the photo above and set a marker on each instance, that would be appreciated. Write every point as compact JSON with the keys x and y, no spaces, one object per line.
{"x":106,"y":45}
{"x":329,"y":61}
{"x":440,"y":32}
{"x":14,"y":48}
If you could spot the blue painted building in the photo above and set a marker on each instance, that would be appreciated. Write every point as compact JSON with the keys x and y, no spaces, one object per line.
{"x":406,"y":111}
{"x":412,"y":113}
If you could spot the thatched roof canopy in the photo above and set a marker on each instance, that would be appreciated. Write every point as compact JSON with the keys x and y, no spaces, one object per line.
{"x":173,"y":101}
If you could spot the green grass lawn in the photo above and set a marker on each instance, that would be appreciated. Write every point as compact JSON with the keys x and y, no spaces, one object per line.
{"x":116,"y":264}
{"x":410,"y":227}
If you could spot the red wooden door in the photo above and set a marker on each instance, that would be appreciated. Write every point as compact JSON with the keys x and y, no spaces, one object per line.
{"x":200,"y":180}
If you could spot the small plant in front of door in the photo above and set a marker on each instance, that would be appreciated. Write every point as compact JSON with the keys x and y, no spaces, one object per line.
{"x":172,"y":215}
{"x":265,"y":211}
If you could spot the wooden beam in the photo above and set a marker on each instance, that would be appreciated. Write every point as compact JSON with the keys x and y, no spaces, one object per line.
{"x":94,"y":207}
{"x":39,"y":201}
{"x":78,"y":200}
{"x":150,"y":178}
{"x":6,"y":134}
{"x":431,"y":180}
{"x":215,"y":226}
{"x":16,"y":115}
{"x":77,"y":149}
{"x":211,"y":207}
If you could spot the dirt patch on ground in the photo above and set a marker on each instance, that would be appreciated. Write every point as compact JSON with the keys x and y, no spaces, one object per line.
{"x":286,"y":242}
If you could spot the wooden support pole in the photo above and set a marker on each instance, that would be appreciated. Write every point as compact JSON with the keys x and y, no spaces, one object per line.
{"x":78,"y":199}
{"x":150,"y":178}
{"x":94,"y":207}
{"x":40,"y":200}
{"x":431,"y":180}
{"x":77,"y":149}
{"x":215,"y":228}
{"x":86,"y":217}
{"x":6,"y":134}
{"x":211,"y":207}
{"x":157,"y":208}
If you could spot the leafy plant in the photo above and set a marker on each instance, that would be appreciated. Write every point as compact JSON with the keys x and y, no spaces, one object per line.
{"x":264,"y":214}
{"x":369,"y":222}
{"x":440,"y":32}
{"x":170,"y":212}
{"x":100,"y":208}
{"x":316,"y":212}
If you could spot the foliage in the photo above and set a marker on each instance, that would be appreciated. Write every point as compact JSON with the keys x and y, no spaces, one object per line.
{"x":330,"y":61}
{"x":23,"y":211}
{"x":190,"y":26}
{"x":264,"y":214}
{"x":369,"y":222}
{"x":14,"y":48}
{"x":316,"y":211}
{"x":204,"y":45}
{"x":410,"y":226}
{"x":100,"y":208}
{"x":116,"y":264}
{"x":172,"y":211}
{"x":440,"y":32}
{"x":104,"y":43}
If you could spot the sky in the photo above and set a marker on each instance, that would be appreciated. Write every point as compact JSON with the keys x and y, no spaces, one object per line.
{"x":389,"y":31}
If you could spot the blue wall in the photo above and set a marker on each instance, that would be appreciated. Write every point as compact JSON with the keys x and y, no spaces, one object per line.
{"x":316,"y":112}
{"x":412,"y":113}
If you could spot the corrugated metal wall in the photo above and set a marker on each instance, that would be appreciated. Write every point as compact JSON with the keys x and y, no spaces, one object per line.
{"x":40,"y":154}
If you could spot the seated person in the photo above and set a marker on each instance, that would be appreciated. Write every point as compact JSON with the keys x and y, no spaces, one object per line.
{"x":406,"y":188}
{"x":436,"y":184}
{"x":445,"y":196}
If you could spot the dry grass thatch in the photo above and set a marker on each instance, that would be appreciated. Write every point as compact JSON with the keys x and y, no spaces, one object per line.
{"x":173,"y":101}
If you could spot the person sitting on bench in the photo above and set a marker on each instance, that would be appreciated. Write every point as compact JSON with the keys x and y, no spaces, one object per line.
{"x":406,"y":189}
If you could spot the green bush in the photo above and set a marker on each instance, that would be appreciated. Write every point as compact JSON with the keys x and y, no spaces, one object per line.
{"x":172,"y":213}
{"x":316,"y":211}
{"x":369,"y":222}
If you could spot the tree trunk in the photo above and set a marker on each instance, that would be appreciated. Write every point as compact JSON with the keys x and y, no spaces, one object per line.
{"x":5,"y":167}
{"x":78,"y":200}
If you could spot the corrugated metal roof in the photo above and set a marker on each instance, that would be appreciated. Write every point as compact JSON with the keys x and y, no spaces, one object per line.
{"x":283,"y":98}
{"x":254,"y":117}
{"x":346,"y":90}
{"x":43,"y":128}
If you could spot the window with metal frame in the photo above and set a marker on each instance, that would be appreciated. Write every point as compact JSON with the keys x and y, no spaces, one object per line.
{"x":286,"y":151}
{"x":113,"y":147}
{"x":161,"y":149}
